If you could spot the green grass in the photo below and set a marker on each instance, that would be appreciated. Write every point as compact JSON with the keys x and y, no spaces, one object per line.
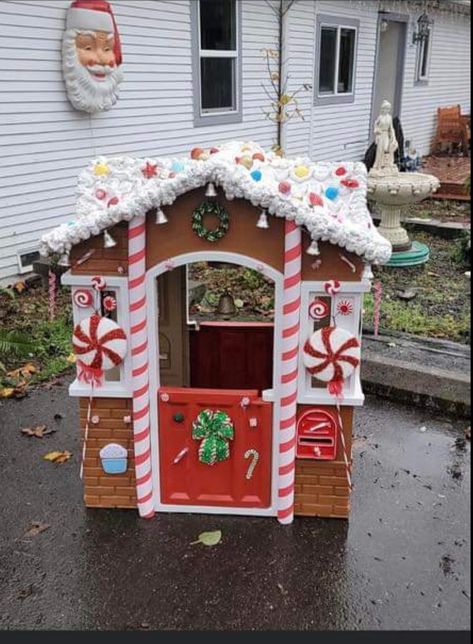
{"x":413,"y":318}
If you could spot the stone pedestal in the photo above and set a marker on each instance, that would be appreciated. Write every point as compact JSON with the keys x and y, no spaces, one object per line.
{"x":390,"y":227}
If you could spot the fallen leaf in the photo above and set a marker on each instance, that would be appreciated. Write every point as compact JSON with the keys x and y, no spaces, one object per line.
{"x":7,"y":392}
{"x":36,"y":528}
{"x":19,"y":287}
{"x":209,"y":538}
{"x":71,"y":358}
{"x":57,"y":457}
{"x":38,"y":432}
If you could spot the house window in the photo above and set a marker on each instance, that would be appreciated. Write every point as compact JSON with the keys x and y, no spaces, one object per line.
{"x":423,"y":53}
{"x":335,"y":60}
{"x":216,"y":36}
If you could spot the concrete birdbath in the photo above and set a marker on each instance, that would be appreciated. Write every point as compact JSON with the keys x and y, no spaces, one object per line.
{"x":391,"y":190}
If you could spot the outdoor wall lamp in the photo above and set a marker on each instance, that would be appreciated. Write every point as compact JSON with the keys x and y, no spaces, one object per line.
{"x":423,"y":29}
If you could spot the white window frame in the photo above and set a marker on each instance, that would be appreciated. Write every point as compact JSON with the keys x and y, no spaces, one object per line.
{"x":338,"y":23}
{"x":423,"y":79}
{"x":109,"y":389}
{"x":352,"y":390}
{"x":215,"y":116}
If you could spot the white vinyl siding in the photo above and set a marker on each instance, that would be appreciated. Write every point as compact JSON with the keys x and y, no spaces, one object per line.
{"x":448,"y":78}
{"x":45,"y":143}
{"x":338,"y":132}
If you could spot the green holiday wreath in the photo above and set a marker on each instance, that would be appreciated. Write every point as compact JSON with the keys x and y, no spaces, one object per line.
{"x":214,"y":429}
{"x":210,"y":208}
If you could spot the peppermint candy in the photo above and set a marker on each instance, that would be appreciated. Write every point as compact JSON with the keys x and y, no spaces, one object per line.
{"x":99,"y":283}
{"x":109,"y":303}
{"x":332,"y":287}
{"x":99,"y":344}
{"x":331,"y":355}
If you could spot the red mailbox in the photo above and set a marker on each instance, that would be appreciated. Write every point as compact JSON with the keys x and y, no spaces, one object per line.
{"x":317,"y":431}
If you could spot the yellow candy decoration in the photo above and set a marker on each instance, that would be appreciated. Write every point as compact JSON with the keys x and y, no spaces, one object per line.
{"x":301,"y":171}
{"x":247,"y":162}
{"x":101,"y":169}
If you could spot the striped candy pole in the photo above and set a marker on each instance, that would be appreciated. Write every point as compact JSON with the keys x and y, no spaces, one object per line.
{"x":289,"y":364}
{"x":139,"y":361}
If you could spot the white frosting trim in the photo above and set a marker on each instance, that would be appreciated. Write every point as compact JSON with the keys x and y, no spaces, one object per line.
{"x":344,"y":221}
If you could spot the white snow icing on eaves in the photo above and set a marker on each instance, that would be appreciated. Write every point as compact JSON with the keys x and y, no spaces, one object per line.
{"x":329,"y":199}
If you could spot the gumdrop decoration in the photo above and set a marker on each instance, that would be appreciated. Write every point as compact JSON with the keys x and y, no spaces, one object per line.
{"x":331,"y":193}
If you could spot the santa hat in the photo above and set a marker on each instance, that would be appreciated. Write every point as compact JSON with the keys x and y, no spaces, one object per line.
{"x":94,"y":15}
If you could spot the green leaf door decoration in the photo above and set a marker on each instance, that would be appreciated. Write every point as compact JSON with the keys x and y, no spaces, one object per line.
{"x":214,"y":429}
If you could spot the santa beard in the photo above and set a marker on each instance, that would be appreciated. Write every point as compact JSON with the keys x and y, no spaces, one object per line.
{"x":86,"y":93}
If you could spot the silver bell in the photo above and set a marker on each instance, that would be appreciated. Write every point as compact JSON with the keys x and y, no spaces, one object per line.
{"x":210,"y":190}
{"x":161,"y":217}
{"x":313,"y":249}
{"x":262,"y":220}
{"x":108,"y":241}
{"x":64,"y":260}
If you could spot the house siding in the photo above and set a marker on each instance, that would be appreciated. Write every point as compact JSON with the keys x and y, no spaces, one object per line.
{"x":336,"y":132}
{"x":45,"y":143}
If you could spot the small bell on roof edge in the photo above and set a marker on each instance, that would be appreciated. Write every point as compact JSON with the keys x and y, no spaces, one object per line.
{"x":161,"y":217}
{"x":108,"y":241}
{"x":210,"y":191}
{"x":313,"y":249}
{"x":262,"y":220}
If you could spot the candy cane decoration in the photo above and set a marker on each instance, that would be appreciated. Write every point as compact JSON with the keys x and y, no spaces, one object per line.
{"x":348,"y":262}
{"x":251,"y":453}
{"x":378,"y":293}
{"x":86,"y":433}
{"x":52,"y":282}
{"x":289,"y":371}
{"x":139,"y":359}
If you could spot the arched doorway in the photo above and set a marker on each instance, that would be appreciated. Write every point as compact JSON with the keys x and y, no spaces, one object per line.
{"x":256,"y":419}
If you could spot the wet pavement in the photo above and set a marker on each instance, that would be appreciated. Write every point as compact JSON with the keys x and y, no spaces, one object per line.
{"x":402,"y":562}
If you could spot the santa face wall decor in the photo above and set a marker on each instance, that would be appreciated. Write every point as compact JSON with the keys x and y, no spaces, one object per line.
{"x":91,"y":56}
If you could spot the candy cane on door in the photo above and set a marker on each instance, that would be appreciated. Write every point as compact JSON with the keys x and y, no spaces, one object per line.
{"x":289,"y":362}
{"x":139,"y":359}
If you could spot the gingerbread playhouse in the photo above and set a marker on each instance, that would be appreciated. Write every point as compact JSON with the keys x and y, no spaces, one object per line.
{"x":226,"y":417}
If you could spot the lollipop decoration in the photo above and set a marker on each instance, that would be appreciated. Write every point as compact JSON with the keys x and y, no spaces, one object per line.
{"x":83,"y":298}
{"x":319,"y":309}
{"x":331,"y":355}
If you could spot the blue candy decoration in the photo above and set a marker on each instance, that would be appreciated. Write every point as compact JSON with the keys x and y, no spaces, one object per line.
{"x":331,"y":193}
{"x":177,"y":166}
{"x":256,"y":175}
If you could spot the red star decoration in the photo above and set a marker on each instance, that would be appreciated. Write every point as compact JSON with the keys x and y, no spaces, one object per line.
{"x":150,"y":170}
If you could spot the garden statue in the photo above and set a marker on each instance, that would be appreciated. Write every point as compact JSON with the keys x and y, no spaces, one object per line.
{"x":91,"y":56}
{"x":390,"y":190}
{"x":386,"y":143}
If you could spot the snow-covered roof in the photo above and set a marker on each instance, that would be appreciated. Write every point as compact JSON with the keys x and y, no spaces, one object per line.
{"x":328,"y":198}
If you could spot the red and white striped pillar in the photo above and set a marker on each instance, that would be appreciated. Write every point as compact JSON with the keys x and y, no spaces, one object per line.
{"x":140,"y":368}
{"x":289,"y":371}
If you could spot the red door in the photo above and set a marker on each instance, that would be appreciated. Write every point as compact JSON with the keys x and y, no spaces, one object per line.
{"x":243,"y":479}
